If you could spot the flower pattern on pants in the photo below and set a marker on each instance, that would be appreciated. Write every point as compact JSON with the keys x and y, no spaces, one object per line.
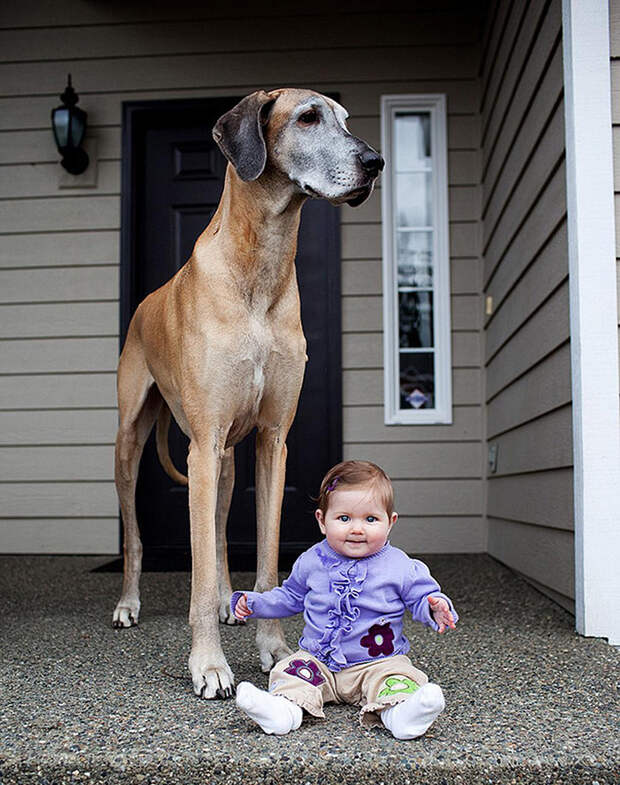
{"x":379,"y":640}
{"x":306,"y":670}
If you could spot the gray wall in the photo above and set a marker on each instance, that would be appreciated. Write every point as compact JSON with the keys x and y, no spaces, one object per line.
{"x":59,"y":246}
{"x":524,"y":245}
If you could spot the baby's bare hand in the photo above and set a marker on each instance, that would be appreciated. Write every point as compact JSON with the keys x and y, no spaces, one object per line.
{"x":241,"y":608}
{"x":441,"y":613}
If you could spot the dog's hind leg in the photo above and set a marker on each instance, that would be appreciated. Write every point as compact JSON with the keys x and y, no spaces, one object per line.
{"x":224,"y":496}
{"x":139,"y":403}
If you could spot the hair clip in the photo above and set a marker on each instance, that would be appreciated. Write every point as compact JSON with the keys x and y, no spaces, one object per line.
{"x":332,"y":485}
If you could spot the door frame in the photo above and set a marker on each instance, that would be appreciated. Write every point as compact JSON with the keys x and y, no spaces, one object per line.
{"x":137,"y":116}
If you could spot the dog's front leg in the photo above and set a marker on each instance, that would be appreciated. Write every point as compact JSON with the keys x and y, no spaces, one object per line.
{"x":211,"y":674}
{"x":270,"y":473}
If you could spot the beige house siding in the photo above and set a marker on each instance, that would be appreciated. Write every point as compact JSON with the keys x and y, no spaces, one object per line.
{"x":524,"y":245}
{"x":59,"y":247}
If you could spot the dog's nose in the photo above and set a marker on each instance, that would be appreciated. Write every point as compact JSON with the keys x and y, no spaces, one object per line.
{"x":372,"y":162}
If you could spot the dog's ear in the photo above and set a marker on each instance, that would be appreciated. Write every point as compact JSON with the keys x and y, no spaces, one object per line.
{"x":239,"y":134}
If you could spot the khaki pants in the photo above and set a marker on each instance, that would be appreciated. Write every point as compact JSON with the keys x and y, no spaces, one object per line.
{"x":374,"y":685}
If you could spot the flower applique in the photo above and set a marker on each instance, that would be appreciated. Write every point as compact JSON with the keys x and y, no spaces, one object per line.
{"x":306,"y":670}
{"x":397,"y":685}
{"x":379,"y":640}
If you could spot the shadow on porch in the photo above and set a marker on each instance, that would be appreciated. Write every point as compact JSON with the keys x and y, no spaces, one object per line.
{"x":528,"y":700}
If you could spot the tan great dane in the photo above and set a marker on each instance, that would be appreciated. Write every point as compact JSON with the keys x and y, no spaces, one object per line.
{"x":221,"y":346}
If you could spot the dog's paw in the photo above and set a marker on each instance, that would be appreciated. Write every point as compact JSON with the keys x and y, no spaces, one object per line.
{"x":126,"y":614}
{"x":211,"y":676}
{"x":225,"y":614}
{"x":271,"y":644}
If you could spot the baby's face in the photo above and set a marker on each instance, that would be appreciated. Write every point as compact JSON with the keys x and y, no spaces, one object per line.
{"x":355,"y":523}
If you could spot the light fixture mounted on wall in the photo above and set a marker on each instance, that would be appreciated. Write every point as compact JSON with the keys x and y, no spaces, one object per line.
{"x":69,"y":126}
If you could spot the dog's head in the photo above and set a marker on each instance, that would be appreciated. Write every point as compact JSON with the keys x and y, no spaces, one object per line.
{"x":302,"y":135}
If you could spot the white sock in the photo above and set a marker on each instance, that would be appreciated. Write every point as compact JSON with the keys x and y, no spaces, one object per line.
{"x":414,"y":716}
{"x":274,"y":713}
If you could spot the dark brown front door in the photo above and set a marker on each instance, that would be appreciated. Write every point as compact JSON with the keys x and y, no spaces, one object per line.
{"x":173,"y":178}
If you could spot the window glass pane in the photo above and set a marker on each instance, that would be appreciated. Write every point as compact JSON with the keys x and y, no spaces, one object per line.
{"x":415,"y":319}
{"x":414,"y":199}
{"x":412,"y":140}
{"x":417,"y":380}
{"x":415,"y":258}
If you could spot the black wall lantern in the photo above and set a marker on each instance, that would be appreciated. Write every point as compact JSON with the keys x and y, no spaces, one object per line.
{"x":69,"y":125}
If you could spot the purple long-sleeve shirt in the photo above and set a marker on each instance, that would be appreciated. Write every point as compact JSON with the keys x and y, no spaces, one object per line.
{"x":353,"y":608}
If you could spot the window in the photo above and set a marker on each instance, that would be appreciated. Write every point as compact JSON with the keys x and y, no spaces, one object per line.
{"x":416,"y":271}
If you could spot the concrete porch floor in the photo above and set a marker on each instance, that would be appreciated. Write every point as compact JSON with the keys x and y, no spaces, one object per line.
{"x":528,"y":700}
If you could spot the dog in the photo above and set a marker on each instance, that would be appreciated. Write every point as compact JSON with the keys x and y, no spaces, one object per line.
{"x":221,"y":348}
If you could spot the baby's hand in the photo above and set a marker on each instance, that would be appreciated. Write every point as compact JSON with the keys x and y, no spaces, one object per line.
{"x":441,"y":613}
{"x":241,"y":608}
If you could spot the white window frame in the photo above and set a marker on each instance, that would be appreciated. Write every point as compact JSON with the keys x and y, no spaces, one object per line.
{"x":435,"y":104}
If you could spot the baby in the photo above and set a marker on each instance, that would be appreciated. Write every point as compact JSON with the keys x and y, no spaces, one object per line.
{"x":353,"y":588}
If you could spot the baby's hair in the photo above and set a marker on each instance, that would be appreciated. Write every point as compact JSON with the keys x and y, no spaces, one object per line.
{"x":352,"y":473}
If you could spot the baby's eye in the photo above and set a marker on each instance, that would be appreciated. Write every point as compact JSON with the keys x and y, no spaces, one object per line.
{"x":371,"y":519}
{"x":344,"y":518}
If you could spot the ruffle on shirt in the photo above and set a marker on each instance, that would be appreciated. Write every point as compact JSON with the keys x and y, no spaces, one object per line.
{"x":346,"y":584}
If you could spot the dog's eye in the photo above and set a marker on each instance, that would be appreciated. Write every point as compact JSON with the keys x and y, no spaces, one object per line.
{"x":309,"y":117}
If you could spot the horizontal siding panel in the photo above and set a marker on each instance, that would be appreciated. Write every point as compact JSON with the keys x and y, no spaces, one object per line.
{"x":59,"y":354}
{"x":40,"y":180}
{"x":41,"y":320}
{"x":38,"y":147}
{"x":547,"y":329}
{"x":362,"y":276}
{"x":47,"y":464}
{"x":68,"y":212}
{"x":59,"y":284}
{"x":59,"y":500}
{"x":60,"y":535}
{"x":546,"y":555}
{"x":219,"y":35}
{"x":466,"y":350}
{"x":464,"y":203}
{"x":360,"y":241}
{"x":464,"y":239}
{"x":127,"y":73}
{"x":58,"y":249}
{"x":362,"y":314}
{"x":466,"y":276}
{"x":463,"y":167}
{"x":365,"y":424}
{"x":64,"y":427}
{"x":520,"y":136}
{"x":549,"y":151}
{"x":360,"y":98}
{"x":429,"y":460}
{"x":545,"y":387}
{"x":545,"y":443}
{"x":539,"y":280}
{"x":440,"y":535}
{"x":535,"y":232}
{"x":541,"y":498}
{"x":466,"y":312}
{"x":363,"y":350}
{"x":415,"y":498}
{"x":58,"y":391}
{"x":362,"y":387}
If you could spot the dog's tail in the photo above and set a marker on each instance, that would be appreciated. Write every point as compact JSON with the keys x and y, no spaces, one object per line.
{"x":161,"y":438}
